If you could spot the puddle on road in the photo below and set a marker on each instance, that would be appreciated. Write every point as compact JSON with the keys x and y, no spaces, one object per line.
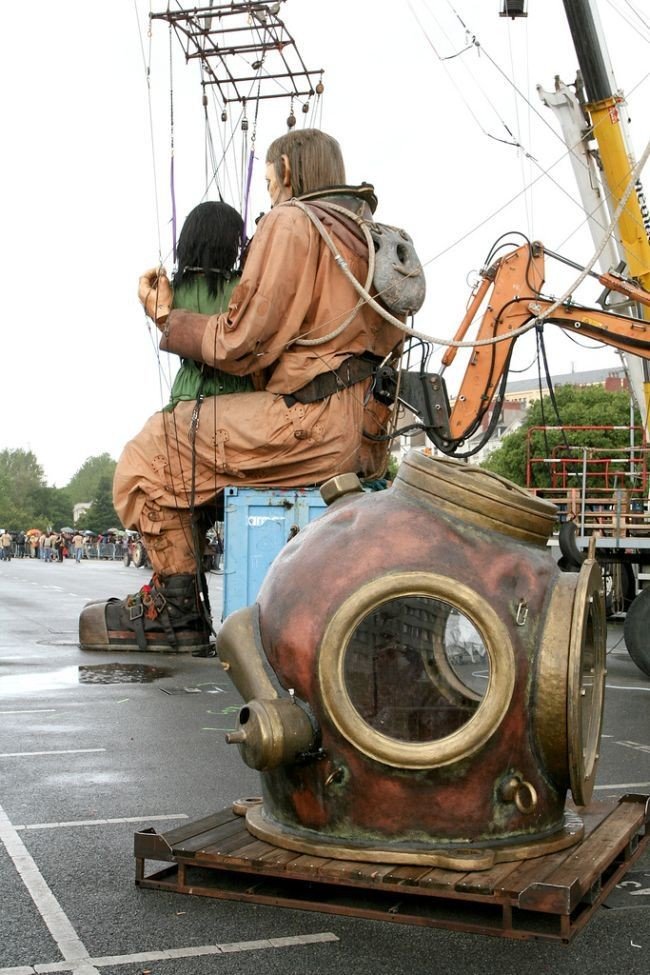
{"x":120,"y":673}
{"x":116,"y":673}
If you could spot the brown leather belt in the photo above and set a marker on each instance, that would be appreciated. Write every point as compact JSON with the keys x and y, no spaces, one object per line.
{"x":353,"y":370}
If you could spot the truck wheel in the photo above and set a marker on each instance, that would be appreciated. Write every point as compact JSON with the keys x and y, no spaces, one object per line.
{"x":636,"y":631}
{"x":139,"y":555}
{"x":126,"y":560}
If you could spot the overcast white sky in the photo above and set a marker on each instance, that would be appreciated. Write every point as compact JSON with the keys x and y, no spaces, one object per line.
{"x":83,"y":215}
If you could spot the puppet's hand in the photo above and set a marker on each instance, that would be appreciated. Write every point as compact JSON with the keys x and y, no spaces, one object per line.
{"x":155,"y":293}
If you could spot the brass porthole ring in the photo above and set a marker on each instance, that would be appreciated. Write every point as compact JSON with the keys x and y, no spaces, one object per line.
{"x":465,"y":740}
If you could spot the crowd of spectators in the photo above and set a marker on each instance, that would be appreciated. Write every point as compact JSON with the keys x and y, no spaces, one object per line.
{"x":55,"y":546}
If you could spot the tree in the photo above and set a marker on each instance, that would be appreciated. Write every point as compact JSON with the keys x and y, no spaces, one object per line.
{"x":26,"y":500}
{"x":51,"y":506}
{"x":21,"y":478}
{"x":577,"y":406}
{"x":22,"y":469}
{"x":83,"y":486}
{"x":101,"y":514}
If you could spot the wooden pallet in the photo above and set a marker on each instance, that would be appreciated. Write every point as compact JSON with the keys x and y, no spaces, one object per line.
{"x":550,"y":897}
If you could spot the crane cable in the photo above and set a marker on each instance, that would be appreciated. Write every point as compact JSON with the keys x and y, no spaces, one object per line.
{"x":513,"y":141}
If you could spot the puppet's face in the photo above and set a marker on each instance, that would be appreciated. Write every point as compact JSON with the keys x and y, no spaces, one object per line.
{"x":279,"y":190}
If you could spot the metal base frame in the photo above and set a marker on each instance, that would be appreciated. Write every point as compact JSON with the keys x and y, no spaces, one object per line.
{"x":550,"y":897}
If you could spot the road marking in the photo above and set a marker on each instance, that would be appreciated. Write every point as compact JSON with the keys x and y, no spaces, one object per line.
{"x":67,"y":941}
{"x":624,"y":785}
{"x":637,"y":746}
{"x":32,"y":711}
{"x":171,"y":953}
{"x":622,"y":687}
{"x":65,"y":751}
{"x":100,"y":822}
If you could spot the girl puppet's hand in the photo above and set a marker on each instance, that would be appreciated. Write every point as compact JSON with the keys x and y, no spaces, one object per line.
{"x":155,"y":293}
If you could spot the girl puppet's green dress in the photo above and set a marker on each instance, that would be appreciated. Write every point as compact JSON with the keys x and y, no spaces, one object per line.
{"x":195,"y":378}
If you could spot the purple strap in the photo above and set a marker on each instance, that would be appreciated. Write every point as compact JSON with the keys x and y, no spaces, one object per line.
{"x":247,"y":189}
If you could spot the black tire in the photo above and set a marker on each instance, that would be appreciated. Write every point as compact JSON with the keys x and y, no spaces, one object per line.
{"x":126,"y":560}
{"x":636,"y":631}
{"x":567,"y":565}
{"x":568,"y":546}
{"x":139,"y":555}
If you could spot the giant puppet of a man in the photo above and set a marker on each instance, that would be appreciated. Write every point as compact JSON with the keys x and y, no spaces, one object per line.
{"x":292,"y":327}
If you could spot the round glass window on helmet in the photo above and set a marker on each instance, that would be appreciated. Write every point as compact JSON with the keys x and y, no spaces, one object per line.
{"x":416,"y":669}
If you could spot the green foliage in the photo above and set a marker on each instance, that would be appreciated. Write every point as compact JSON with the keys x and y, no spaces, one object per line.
{"x":101,"y":514}
{"x":26,"y":500}
{"x":52,"y":507}
{"x":21,"y":480}
{"x":577,"y":406}
{"x":22,"y":470}
{"x":391,"y":470}
{"x":84,"y":484}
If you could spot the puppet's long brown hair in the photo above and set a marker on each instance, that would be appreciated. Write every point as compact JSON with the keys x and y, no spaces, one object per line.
{"x":315,"y":160}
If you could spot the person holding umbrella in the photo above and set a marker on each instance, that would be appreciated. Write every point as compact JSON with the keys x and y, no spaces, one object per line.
{"x":33,"y":535}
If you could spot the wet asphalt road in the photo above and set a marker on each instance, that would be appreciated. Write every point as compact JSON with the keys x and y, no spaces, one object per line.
{"x":74,"y":752}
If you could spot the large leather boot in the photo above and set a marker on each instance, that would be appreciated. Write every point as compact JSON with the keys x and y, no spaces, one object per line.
{"x":171,"y":614}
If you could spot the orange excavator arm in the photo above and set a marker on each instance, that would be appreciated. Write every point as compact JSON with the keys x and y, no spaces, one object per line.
{"x":512,"y":286}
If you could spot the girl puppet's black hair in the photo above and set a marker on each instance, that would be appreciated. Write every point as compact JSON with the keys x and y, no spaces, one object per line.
{"x":209,"y":243}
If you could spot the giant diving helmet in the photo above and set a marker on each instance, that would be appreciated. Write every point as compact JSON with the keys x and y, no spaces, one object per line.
{"x":422,"y":683}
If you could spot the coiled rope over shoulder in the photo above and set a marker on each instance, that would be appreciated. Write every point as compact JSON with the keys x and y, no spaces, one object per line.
{"x":340,"y":260}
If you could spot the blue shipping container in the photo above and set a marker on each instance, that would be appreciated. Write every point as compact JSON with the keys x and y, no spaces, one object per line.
{"x":257,"y":523}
